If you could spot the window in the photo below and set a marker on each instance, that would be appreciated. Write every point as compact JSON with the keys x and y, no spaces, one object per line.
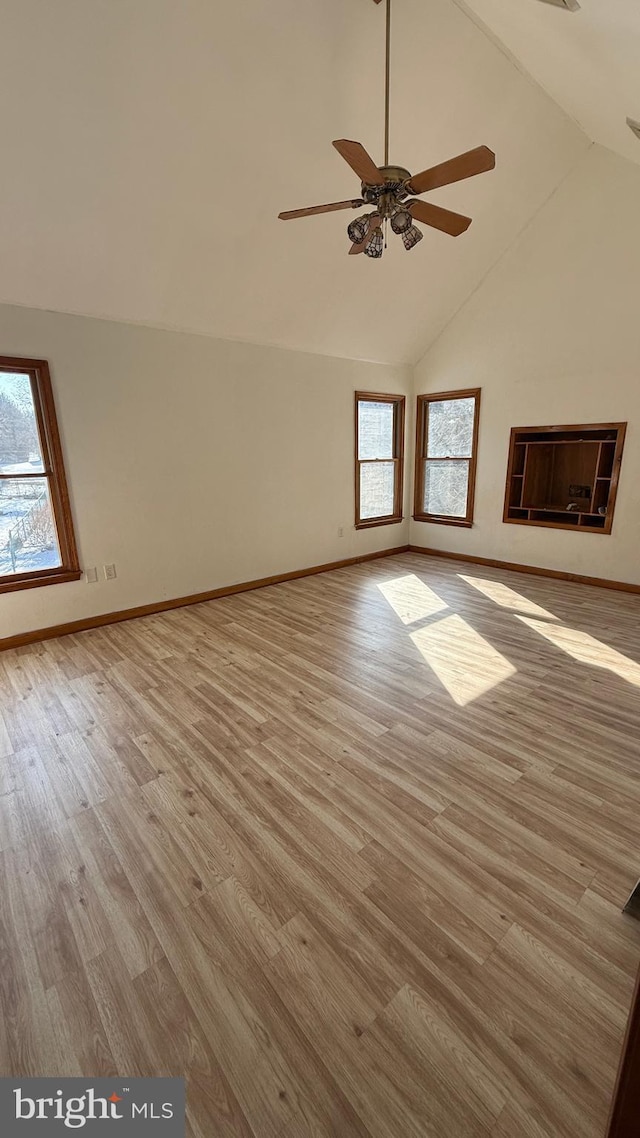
{"x":446,"y":452}
{"x":37,"y":546}
{"x":379,"y":458}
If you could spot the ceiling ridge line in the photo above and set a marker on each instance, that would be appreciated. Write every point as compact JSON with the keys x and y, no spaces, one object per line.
{"x":496,"y":40}
{"x":494,"y":264}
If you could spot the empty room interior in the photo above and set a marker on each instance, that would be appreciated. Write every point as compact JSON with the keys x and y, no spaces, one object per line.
{"x":320,"y":579}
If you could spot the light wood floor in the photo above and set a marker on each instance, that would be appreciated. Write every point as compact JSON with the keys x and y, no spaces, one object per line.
{"x":348,"y":852}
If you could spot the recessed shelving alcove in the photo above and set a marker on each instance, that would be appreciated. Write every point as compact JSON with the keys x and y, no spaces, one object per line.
{"x":564,"y":477}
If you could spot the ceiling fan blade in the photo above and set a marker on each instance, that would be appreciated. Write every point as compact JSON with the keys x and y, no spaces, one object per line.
{"x":360,"y":162}
{"x":353,"y":204}
{"x":439,"y":218}
{"x":455,"y":170}
{"x":374,"y":220}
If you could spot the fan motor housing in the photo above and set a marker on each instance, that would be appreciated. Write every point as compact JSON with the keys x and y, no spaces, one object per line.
{"x":394,"y":180}
{"x":395,"y":173}
{"x":389,"y":195}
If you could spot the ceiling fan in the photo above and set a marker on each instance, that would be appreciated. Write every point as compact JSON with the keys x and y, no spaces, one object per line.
{"x":390,"y":190}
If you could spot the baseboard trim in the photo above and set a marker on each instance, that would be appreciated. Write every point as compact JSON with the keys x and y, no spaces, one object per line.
{"x":25,"y":638}
{"x":22,"y":640}
{"x":536,"y":571}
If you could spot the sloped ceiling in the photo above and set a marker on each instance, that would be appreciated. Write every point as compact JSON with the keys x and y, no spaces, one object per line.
{"x":148,"y":146}
{"x":588,"y":60}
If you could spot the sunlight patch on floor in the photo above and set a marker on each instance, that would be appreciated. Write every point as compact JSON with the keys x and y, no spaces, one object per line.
{"x":411,"y":599}
{"x":505,"y":597}
{"x":587,"y":650}
{"x":464,"y":662}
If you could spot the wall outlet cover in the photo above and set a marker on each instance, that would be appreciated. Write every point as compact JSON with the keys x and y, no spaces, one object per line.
{"x":110,"y":572}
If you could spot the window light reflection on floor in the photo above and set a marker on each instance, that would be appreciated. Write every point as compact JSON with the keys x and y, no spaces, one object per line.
{"x":411,"y":599}
{"x":586,"y":649}
{"x":505,"y":597}
{"x":464,"y":662}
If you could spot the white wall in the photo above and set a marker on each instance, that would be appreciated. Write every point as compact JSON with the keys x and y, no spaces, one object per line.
{"x":552,"y":335}
{"x":193,"y":463}
{"x":196,"y":463}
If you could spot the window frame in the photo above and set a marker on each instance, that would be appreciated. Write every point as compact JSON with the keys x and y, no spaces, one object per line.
{"x":422,"y":440}
{"x":54,"y":472}
{"x":399,"y":403}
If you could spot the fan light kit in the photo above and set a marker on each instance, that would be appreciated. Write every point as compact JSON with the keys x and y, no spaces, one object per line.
{"x":388,"y":190}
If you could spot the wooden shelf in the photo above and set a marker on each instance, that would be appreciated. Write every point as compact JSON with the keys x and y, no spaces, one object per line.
{"x":551,"y":468}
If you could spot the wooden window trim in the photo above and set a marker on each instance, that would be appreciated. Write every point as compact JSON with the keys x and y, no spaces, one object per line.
{"x":54,"y":472}
{"x":421,"y":457}
{"x":399,"y":402}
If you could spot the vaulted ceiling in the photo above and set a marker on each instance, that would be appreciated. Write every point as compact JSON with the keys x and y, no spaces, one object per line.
{"x":587,"y":59}
{"x":148,"y":146}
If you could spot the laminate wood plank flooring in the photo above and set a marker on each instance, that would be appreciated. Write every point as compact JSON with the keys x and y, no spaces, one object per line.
{"x":348,"y":852}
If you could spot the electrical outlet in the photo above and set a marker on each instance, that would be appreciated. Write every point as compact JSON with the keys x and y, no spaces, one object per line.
{"x":340,"y":531}
{"x":110,"y":572}
{"x":91,"y":575}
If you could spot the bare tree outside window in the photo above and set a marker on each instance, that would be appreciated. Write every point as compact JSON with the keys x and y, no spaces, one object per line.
{"x":37,"y":545}
{"x":446,"y":452}
{"x":379,"y":458}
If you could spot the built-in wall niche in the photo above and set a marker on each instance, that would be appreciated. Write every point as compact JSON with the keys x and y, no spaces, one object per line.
{"x":564,"y":477}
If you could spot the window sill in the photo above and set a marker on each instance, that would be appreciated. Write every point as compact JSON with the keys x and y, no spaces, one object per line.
{"x":379,"y":522}
{"x":435,"y":519}
{"x":38,"y":580}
